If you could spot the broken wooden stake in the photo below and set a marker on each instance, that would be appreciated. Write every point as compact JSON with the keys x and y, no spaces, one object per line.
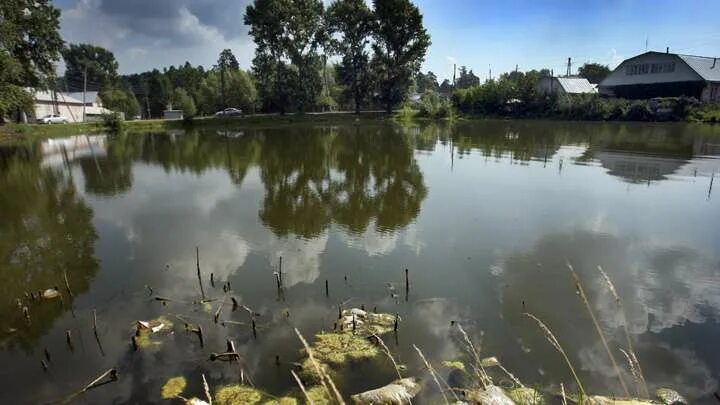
{"x":197,"y":257}
{"x":327,"y":289}
{"x":254,"y":330}
{"x":68,"y":338}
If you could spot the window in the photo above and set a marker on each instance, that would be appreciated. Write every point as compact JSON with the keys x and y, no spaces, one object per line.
{"x":648,"y":68}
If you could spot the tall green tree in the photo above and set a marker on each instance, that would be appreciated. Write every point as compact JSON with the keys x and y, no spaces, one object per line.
{"x":287,"y":31}
{"x":266,"y":19}
{"x":425,"y":82}
{"x":159,"y":93}
{"x":400,"y":45}
{"x":466,"y":79}
{"x":122,"y":100}
{"x":181,"y":100}
{"x":226,"y":62}
{"x":350,"y":24}
{"x":30,"y":44}
{"x":100,"y":63}
{"x":594,"y":72}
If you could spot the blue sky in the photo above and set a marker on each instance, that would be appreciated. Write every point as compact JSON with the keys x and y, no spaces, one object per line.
{"x":480,"y":34}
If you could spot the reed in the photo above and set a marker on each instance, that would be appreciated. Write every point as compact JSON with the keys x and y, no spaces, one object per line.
{"x":635,"y":368}
{"x":433,"y":374}
{"x":485,"y":380}
{"x":302,"y":387}
{"x":554,"y":342}
{"x":387,"y":353}
{"x":324,"y":377}
{"x":583,"y":297}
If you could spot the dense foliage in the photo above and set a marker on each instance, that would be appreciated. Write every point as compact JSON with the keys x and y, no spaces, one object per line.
{"x":29,"y":46}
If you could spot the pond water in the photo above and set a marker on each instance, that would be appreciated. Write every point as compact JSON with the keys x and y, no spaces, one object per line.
{"x":484,"y":215}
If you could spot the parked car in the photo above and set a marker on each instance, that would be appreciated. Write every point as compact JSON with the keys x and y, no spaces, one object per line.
{"x":53,"y":119}
{"x":229,"y":112}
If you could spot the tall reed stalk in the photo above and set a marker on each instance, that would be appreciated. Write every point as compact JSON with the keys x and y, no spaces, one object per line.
{"x":554,"y":342}
{"x":630,"y":355}
{"x":485,"y":380}
{"x":581,"y":291}
{"x":324,"y":377}
{"x":434,"y":375}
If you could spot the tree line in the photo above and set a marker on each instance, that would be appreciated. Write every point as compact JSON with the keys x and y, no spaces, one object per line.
{"x":308,"y":57}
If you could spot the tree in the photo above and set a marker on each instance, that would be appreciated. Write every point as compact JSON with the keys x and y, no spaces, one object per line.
{"x":181,"y":100}
{"x":100,"y":63}
{"x":267,"y":21}
{"x":466,"y":79}
{"x":425,"y":82}
{"x":594,"y":72}
{"x":400,"y":45}
{"x":159,"y":92}
{"x":30,"y":43}
{"x":226,"y":61}
{"x":121,"y":100}
{"x":352,"y":21}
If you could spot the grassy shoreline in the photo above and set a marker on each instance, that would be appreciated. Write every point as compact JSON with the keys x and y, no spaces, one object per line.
{"x":13,"y":133}
{"x":20,"y":133}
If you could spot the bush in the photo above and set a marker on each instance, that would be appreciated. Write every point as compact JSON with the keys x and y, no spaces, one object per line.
{"x":432,"y":105}
{"x":113,"y":122}
{"x":639,"y":111}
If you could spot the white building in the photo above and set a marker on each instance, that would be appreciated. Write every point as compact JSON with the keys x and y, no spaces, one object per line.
{"x":565,"y":85}
{"x":69,"y":105}
{"x":657,"y":74}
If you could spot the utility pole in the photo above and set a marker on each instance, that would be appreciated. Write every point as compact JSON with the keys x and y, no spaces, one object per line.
{"x":569,"y":67}
{"x":454,"y":72}
{"x":84,"y":89}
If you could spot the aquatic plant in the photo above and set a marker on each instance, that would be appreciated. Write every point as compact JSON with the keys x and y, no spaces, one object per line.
{"x":339,"y":348}
{"x":326,"y":380}
{"x":583,"y":297}
{"x":554,"y":342}
{"x":630,"y":355}
{"x":173,"y":387}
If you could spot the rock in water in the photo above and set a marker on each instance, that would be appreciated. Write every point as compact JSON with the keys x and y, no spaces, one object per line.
{"x":51,"y":293}
{"x":670,"y":397}
{"x":396,"y":393}
{"x":491,"y":396}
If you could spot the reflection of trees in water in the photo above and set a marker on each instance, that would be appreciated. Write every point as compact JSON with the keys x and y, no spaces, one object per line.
{"x":46,"y":229}
{"x":313,"y":176}
{"x":528,"y":140}
{"x":350,"y":177}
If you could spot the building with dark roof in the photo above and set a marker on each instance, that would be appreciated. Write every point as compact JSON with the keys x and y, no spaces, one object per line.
{"x":657,"y":74}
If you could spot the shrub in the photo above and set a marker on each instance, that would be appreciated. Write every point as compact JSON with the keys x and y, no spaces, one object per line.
{"x":432,"y":105}
{"x":113,"y":122}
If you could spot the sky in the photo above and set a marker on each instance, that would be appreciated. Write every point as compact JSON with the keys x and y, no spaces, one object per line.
{"x":482,"y":35}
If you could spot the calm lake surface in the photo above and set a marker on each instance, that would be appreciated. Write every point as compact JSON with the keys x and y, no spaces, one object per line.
{"x":485,"y":215}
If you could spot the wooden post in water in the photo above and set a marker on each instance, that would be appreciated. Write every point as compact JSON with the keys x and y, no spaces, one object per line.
{"x":68,"y":339}
{"x":280,"y":269}
{"x":327,"y":289}
{"x":254,"y":330}
{"x":197,"y":257}
{"x":407,"y":285}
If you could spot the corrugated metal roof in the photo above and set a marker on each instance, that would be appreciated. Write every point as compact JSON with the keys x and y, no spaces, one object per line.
{"x":708,"y":68}
{"x":47,"y":96}
{"x":90,"y":96}
{"x":576,"y":85}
